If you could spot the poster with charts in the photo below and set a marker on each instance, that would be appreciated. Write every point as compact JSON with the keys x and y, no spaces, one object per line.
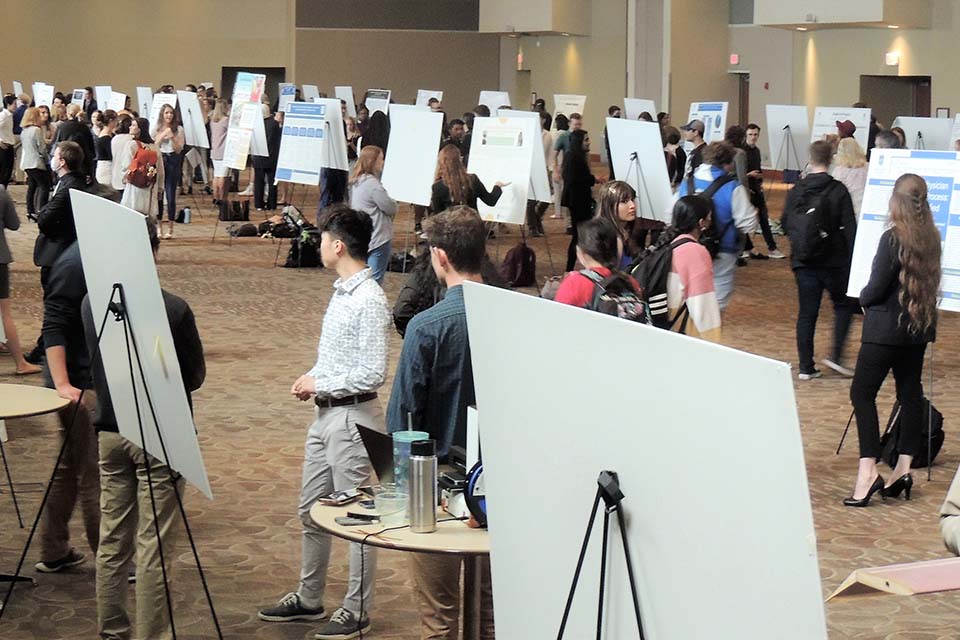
{"x":288,"y":93}
{"x":714,"y":117}
{"x":825,"y":121}
{"x":501,"y":150}
{"x":245,"y":115}
{"x":77,"y":99}
{"x":941,"y":170}
{"x":301,"y":143}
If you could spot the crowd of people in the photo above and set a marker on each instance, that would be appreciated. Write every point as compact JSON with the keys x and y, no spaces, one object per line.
{"x":679,"y":276}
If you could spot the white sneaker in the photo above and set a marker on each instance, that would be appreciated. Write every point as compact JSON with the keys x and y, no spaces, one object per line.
{"x":776,"y":255}
{"x":246,"y":192}
{"x":744,"y":255}
{"x":839,"y":368}
{"x":809,"y":376}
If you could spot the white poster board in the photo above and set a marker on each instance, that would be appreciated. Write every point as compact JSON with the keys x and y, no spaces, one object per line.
{"x":156,"y":105}
{"x":302,"y":143}
{"x":929,"y":134}
{"x":424,"y":95}
{"x":501,"y":150}
{"x":288,"y":93}
{"x":128,"y":245}
{"x":117,"y":101}
{"x":825,"y":121}
{"x":941,"y":170}
{"x":77,"y":97}
{"x":102,"y":95}
{"x":955,"y":133}
{"x":144,"y":100}
{"x":788,"y":122}
{"x":633,"y":107}
{"x":568,"y":104}
{"x":714,"y":118}
{"x":494,"y":100}
{"x":736,"y":564}
{"x":194,"y":130}
{"x":539,"y":177}
{"x":309,"y":92}
{"x":377,"y":100}
{"x":335,"y":148}
{"x":17,"y":88}
{"x":43,"y":94}
{"x":345,"y":94}
{"x":410,"y":167}
{"x":245,"y":116}
{"x":637,"y":152}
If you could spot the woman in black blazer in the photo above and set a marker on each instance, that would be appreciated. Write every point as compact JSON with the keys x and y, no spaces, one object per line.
{"x":900,"y":318}
{"x":455,"y":186}
{"x":578,"y":184}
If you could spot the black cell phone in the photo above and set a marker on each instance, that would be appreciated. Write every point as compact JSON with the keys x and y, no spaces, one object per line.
{"x":369,"y":517}
{"x":344,"y":521}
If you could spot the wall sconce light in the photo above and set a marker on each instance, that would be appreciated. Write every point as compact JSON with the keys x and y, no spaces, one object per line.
{"x":892,"y":59}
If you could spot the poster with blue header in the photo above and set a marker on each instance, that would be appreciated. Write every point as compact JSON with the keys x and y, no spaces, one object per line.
{"x":941,"y":171}
{"x":714,"y":118}
{"x":301,"y":143}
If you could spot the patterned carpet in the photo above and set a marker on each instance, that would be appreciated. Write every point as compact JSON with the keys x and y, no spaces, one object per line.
{"x":260,"y":325}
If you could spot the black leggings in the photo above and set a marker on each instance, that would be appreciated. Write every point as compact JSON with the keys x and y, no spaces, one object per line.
{"x":38,"y":189}
{"x":873,"y":364}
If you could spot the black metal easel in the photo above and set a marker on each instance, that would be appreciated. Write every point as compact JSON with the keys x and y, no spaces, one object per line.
{"x":608,"y":489}
{"x":636,"y":169}
{"x":117,"y":306}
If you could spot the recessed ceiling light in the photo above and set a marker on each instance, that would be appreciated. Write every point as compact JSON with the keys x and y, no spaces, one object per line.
{"x":801,"y":28}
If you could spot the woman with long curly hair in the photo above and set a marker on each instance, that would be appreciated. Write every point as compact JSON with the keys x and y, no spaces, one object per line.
{"x":454,"y":186}
{"x":900,"y":318}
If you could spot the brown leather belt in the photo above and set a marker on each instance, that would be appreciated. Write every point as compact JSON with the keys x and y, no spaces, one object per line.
{"x":329,"y":403}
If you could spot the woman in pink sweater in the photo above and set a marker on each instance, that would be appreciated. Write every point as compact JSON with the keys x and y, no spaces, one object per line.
{"x":690,"y":282}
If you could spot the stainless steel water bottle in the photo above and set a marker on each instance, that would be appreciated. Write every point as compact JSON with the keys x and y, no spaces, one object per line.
{"x":423,"y":486}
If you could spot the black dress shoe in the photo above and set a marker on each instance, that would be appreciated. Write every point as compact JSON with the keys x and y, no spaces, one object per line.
{"x":903,"y":484}
{"x":876,"y":486}
{"x":35,"y":356}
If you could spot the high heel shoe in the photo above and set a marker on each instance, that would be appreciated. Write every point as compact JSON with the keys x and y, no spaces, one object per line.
{"x":902,"y":484}
{"x":876,"y":486}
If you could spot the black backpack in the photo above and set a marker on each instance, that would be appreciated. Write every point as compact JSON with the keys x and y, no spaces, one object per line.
{"x":711,"y":238}
{"x":809,"y":226}
{"x":304,"y":251}
{"x":519,"y":267}
{"x":932,"y":429}
{"x":651,"y":269}
{"x":615,"y":296}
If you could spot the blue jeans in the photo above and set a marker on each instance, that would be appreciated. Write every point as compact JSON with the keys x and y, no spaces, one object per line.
{"x":378,"y":259}
{"x":724,"y":270}
{"x":171,"y":182}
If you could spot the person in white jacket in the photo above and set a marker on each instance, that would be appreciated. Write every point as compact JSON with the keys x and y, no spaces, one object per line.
{"x":368,"y":195}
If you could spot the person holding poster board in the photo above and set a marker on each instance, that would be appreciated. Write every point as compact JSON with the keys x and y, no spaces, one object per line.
{"x":900,"y":318}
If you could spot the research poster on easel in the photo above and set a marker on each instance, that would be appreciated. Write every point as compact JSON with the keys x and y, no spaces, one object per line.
{"x":288,"y":93}
{"x":502,"y":151}
{"x":714,"y":118}
{"x":941,"y":170}
{"x":424,"y":96}
{"x":633,"y":107}
{"x":301,"y":143}
{"x":377,"y":100}
{"x":568,"y":104}
{"x":825,"y":121}
{"x":246,"y":112}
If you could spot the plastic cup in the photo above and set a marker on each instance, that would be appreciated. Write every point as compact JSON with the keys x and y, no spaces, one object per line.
{"x":391,"y":505}
{"x":401,"y":457}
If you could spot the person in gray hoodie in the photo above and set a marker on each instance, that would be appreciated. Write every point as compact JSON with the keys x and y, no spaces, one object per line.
{"x":368,"y":195}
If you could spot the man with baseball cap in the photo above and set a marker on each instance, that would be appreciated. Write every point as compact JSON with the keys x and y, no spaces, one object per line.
{"x":693,"y":133}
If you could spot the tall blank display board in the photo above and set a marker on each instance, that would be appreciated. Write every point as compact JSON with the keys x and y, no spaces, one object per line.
{"x":194,"y":129}
{"x":737,"y":562}
{"x":926,"y":134}
{"x":335,"y":146}
{"x":493,"y":100}
{"x":788,"y":129}
{"x":825,"y":121}
{"x":501,"y":150}
{"x":633,"y":107}
{"x":124,"y":256}
{"x":346,"y":94}
{"x":144,"y":99}
{"x":941,"y":170}
{"x":409,"y":168}
{"x":637,"y":153}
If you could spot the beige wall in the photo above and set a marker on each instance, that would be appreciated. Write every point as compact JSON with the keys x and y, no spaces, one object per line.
{"x":828,"y":63}
{"x":71,"y":44}
{"x":459,"y":64}
{"x":594,"y":66}
{"x":765,"y":53}
{"x":699,"y":37}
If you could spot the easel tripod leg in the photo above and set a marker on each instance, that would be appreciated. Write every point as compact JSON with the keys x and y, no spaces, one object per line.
{"x":576,"y":573}
{"x":13,"y":493}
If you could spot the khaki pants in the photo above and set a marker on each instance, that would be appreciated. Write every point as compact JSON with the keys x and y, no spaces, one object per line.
{"x":76,"y":478}
{"x":127,"y":512}
{"x":436,"y":581}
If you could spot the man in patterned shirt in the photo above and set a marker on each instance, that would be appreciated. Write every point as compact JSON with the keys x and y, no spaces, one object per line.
{"x":351,"y":366}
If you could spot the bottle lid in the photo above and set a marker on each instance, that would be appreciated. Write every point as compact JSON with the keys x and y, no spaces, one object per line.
{"x":423,"y":448}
